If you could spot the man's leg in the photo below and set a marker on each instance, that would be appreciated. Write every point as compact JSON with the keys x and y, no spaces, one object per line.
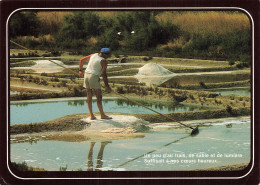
{"x":89,"y":101}
{"x":99,"y":104}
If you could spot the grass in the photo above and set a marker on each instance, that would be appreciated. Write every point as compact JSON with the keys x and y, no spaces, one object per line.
{"x":220,"y":22}
{"x":205,"y":22}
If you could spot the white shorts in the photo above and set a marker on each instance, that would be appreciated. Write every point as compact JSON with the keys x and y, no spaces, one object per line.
{"x":91,"y":81}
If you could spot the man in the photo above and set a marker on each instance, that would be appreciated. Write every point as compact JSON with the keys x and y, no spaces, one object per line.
{"x":96,"y":67}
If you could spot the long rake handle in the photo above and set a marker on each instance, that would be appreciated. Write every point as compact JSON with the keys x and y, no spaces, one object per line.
{"x":152,"y":110}
{"x":112,"y":90}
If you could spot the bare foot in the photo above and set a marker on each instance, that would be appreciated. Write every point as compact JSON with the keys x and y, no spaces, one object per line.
{"x":106,"y":117}
{"x":92,"y":118}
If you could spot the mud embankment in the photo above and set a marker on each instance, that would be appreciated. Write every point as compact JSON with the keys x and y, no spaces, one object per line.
{"x":75,"y":122}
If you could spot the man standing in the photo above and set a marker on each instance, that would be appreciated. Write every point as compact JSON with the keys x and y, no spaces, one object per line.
{"x":96,"y":67}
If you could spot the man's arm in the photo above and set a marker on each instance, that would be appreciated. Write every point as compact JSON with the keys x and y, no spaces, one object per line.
{"x":81,"y":62}
{"x":104,"y":74}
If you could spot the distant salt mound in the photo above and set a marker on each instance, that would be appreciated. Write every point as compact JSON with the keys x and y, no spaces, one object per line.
{"x":152,"y":69}
{"x":45,"y":66}
{"x":153,"y":74}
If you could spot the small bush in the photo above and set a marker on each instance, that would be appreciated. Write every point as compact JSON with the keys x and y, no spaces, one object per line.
{"x":229,"y":109}
{"x":21,"y":166}
{"x":202,"y":84}
{"x":231,"y":63}
{"x":191,"y":97}
{"x":44,"y":74}
{"x":63,"y":83}
{"x":55,"y":79}
{"x":120,"y":90}
{"x":64,"y":168}
{"x":213,"y":95}
{"x":147,"y":58}
{"x":55,"y":53}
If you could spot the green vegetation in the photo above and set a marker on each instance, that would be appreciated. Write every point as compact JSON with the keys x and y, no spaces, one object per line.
{"x":221,"y":35}
{"x":24,"y":167}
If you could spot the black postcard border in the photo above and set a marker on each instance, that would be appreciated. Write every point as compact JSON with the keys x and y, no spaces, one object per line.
{"x":156,"y":175}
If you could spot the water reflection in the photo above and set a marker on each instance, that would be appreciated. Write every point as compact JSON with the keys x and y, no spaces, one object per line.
{"x":76,"y":103}
{"x":34,"y":112}
{"x":170,"y":106}
{"x":99,"y":164}
{"x":152,"y":151}
{"x":133,"y":154}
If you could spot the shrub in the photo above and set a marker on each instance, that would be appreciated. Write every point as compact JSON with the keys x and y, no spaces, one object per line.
{"x":44,"y":74}
{"x":213,"y":95}
{"x":180,"y":98}
{"x":44,"y":82}
{"x":147,"y":58}
{"x":55,"y":53}
{"x":24,"y":23}
{"x":191,"y":97}
{"x":55,"y":79}
{"x":64,"y":168}
{"x":229,"y":109}
{"x":231,"y":63}
{"x":120,"y":90}
{"x":202,"y":84}
{"x":31,"y":42}
{"x":77,"y":28}
{"x":63,"y":83}
{"x":21,"y":166}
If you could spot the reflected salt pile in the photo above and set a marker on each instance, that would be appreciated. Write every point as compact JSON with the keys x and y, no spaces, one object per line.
{"x":153,"y":74}
{"x":45,"y":66}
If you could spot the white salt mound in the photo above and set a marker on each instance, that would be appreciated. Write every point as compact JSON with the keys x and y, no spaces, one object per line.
{"x":47,"y":66}
{"x":118,"y":124}
{"x":153,"y":74}
{"x":152,"y":69}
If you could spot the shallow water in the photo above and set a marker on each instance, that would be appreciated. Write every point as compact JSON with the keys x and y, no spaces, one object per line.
{"x":26,"y":112}
{"x":241,"y":92}
{"x":169,"y":149}
{"x":14,"y":92}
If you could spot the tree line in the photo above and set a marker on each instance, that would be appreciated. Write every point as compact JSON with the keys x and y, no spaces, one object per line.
{"x":134,"y":32}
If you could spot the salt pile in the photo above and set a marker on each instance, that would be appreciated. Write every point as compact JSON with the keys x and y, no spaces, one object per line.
{"x":153,"y":74}
{"x":119,"y":124}
{"x":152,"y":69}
{"x":45,"y":66}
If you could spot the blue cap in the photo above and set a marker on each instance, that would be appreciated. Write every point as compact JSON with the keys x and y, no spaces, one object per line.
{"x":105,"y":50}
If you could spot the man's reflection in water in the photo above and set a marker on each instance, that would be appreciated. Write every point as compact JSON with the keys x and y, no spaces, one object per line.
{"x":99,"y":156}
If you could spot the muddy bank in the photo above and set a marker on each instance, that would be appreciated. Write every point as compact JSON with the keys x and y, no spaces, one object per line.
{"x":79,"y":127}
{"x":236,"y":167}
{"x":75,"y":123}
{"x":196,"y":115}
